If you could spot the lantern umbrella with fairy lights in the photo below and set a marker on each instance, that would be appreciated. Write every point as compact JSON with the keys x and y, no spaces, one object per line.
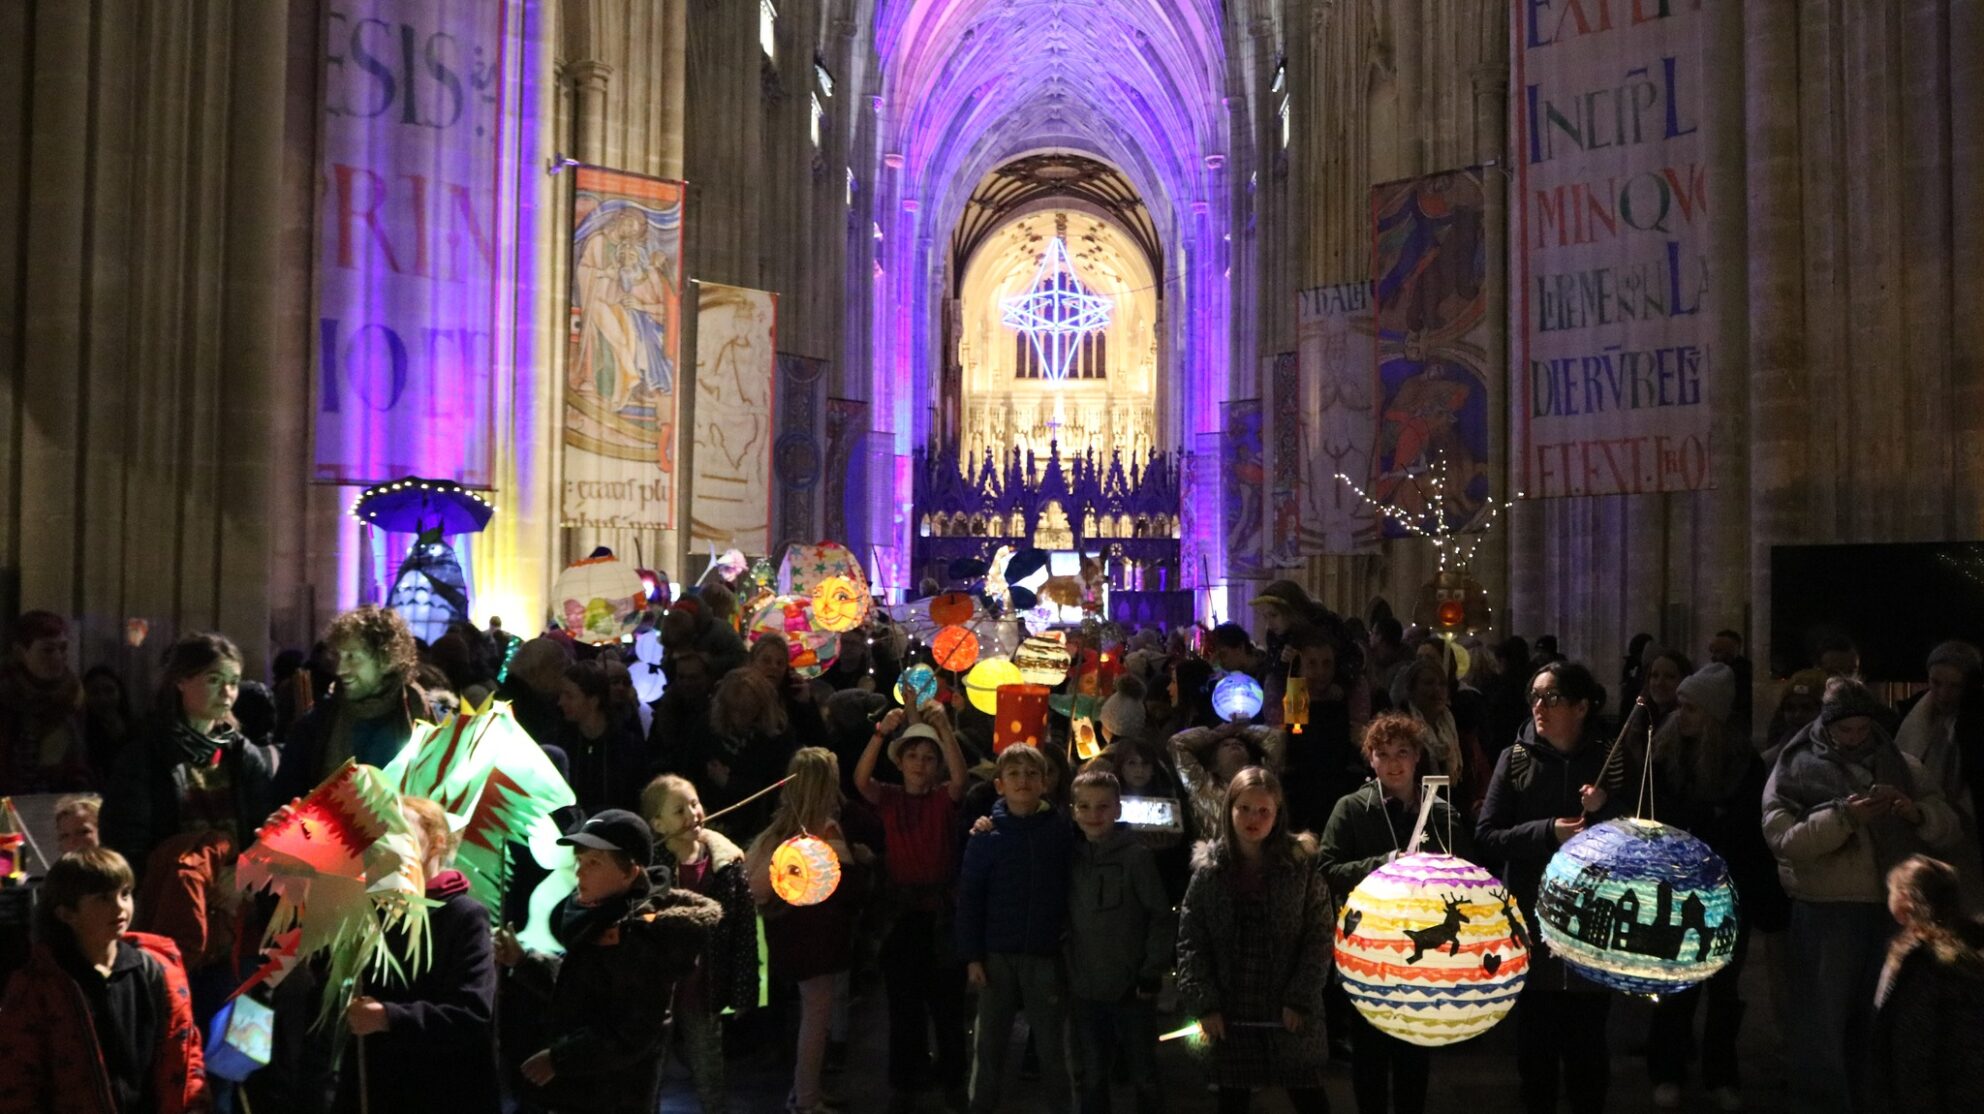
{"x":430,"y":588}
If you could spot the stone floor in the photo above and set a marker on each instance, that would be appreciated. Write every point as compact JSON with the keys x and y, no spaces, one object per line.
{"x":1479,"y":1077}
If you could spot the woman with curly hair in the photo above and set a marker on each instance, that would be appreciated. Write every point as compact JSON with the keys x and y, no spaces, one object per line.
{"x":750,"y":741}
{"x":370,"y":713}
{"x":1929,"y":1008}
{"x":602,"y":736}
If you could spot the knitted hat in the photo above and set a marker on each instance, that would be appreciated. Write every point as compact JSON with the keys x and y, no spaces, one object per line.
{"x":1962,"y":655}
{"x":1712,"y":688}
{"x":1846,"y":698}
{"x":1123,"y":712}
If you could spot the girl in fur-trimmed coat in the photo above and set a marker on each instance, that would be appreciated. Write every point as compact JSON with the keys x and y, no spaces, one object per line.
{"x":726,"y":977}
{"x":1254,"y":951}
{"x":1929,"y":1010}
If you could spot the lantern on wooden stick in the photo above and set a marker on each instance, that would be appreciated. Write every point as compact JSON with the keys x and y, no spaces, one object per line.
{"x":1639,"y":906}
{"x":955,"y":649}
{"x":982,"y":684}
{"x":805,"y":870}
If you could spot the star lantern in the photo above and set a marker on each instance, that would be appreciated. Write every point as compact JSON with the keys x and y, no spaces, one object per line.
{"x":1056,"y":312}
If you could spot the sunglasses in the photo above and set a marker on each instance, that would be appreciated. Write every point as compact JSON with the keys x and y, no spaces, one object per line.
{"x":1549,"y":698}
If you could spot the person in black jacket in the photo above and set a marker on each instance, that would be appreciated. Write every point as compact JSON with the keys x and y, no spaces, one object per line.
{"x":601,"y":736}
{"x":1929,"y":1010}
{"x":1545,"y":790}
{"x":372,"y":712}
{"x":444,"y":1015}
{"x":628,"y":937}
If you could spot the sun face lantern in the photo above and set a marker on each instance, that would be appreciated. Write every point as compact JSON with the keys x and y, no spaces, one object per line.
{"x":1021,"y":716}
{"x":1639,"y":906}
{"x":954,"y":649}
{"x":805,"y":870}
{"x":1044,"y":659}
{"x":1237,"y":697}
{"x":1432,"y":949}
{"x":600,"y":599}
{"x":952,"y":608}
{"x":982,"y":684}
{"x":839,"y":604}
{"x":916,"y":685}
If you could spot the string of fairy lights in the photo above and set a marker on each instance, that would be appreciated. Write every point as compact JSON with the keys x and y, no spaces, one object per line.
{"x":1454,"y":546}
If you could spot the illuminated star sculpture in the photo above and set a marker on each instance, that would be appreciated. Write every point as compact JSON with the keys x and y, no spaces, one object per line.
{"x":1057,"y":312}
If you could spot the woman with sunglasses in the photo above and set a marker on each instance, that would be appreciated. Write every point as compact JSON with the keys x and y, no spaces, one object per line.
{"x":1546,"y":789}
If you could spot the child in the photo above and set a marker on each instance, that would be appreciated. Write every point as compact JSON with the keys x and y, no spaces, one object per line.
{"x":726,"y":978}
{"x":1120,"y":943}
{"x":446,"y":1014}
{"x":810,"y":944}
{"x":1929,"y":1010}
{"x":99,"y":1021}
{"x":1368,"y":829}
{"x":76,"y":822}
{"x":919,"y":823}
{"x":627,"y":940}
{"x":1254,"y":951}
{"x":1208,"y":757}
{"x":1141,"y":770}
{"x":1012,"y":898}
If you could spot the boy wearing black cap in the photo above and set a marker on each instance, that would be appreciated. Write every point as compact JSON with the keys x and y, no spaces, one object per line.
{"x":627,"y":937}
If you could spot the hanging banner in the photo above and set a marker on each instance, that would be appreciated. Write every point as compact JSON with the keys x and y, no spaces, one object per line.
{"x":736,"y":372}
{"x":1340,"y":422}
{"x":1284,"y":440}
{"x":847,"y":423}
{"x":417,"y":187}
{"x":1243,"y":488}
{"x":623,"y":372}
{"x":796,"y":454}
{"x":1430,"y":325}
{"x":1611,"y":237}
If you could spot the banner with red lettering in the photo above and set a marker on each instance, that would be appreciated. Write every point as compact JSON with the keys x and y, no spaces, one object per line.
{"x":1339,"y":419}
{"x":623,"y":372}
{"x":416,"y":204}
{"x":1611,"y":235}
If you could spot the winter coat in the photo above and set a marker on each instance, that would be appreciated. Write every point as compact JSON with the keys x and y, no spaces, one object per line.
{"x":446,"y":1015}
{"x":1322,"y":765}
{"x":1367,"y":830}
{"x":306,"y":751}
{"x":189,"y":895}
{"x":141,"y":804}
{"x":730,"y":958}
{"x":607,"y":772}
{"x":1822,"y":854}
{"x":1013,"y":888}
{"x":1192,"y":750}
{"x":1729,"y":818}
{"x":1249,"y":958}
{"x":1534,"y":785}
{"x":1122,"y":935}
{"x":606,"y":999}
{"x":1928,"y":1027}
{"x":41,"y":733}
{"x":50,"y":1061}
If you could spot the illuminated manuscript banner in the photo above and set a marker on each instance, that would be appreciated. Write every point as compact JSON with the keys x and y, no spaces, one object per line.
{"x":1243,"y":488}
{"x":736,"y":369}
{"x":1340,"y":423}
{"x":1430,"y":324}
{"x":623,"y":374}
{"x":415,"y":195}
{"x":1612,"y":248}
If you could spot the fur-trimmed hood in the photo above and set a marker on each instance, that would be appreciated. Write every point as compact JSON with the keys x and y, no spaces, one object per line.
{"x":1207,"y":852}
{"x":722,"y":851}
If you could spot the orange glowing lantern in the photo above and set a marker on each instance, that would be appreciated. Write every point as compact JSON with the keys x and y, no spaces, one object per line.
{"x":805,"y":870}
{"x":1295,"y":705}
{"x":952,"y":608}
{"x":954,"y":648}
{"x":1022,"y":716}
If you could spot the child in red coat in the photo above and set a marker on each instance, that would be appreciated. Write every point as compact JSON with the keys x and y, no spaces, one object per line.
{"x":99,"y":1021}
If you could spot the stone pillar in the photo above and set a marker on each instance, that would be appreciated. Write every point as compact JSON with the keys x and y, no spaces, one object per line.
{"x":1490,"y":83}
{"x":1966,"y":107}
{"x":589,"y":82}
{"x":1778,"y":371}
{"x":674,"y":72}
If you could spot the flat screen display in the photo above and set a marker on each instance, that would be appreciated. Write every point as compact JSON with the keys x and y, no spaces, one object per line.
{"x":1894,"y":601}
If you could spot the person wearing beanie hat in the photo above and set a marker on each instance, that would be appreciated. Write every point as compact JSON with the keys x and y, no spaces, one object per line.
{"x":1123,"y":712}
{"x":1843,"y":806}
{"x":1709,"y":782}
{"x":1940,"y":727}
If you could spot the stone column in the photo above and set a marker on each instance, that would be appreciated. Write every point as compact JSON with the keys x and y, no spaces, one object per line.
{"x":1778,"y":372}
{"x":589,"y":81}
{"x":1490,"y":83}
{"x":674,"y":71}
{"x":1966,"y":107}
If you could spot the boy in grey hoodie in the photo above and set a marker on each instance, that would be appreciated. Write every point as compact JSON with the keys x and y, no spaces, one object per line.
{"x":1122,"y":935}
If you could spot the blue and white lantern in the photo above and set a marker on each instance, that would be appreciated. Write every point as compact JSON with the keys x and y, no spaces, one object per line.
{"x":1639,"y":906}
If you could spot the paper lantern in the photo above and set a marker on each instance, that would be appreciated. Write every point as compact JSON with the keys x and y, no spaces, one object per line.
{"x":1087,"y":744}
{"x":839,"y":604}
{"x":805,"y":870}
{"x":1044,"y":659}
{"x":952,"y":608}
{"x":1432,"y":949}
{"x":1295,"y":705}
{"x":804,"y":567}
{"x":430,"y":591}
{"x":1639,"y":906}
{"x":1237,"y":697}
{"x":1021,"y":716}
{"x":601,"y":598}
{"x":810,"y":649}
{"x":982,"y":684}
{"x":916,"y":685}
{"x":954,"y":649}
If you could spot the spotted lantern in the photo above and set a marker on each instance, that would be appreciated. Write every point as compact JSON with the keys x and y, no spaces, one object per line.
{"x":1639,"y":906}
{"x":1432,"y":949}
{"x":1021,"y":718}
{"x":805,"y":870}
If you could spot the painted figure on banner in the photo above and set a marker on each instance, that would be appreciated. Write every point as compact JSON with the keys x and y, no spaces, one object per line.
{"x":1337,"y":385}
{"x":1431,"y":342}
{"x":734,"y":377}
{"x":626,"y":322}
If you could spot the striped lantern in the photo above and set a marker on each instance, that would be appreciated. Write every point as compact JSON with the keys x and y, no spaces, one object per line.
{"x":1639,"y":906}
{"x":1432,"y":949}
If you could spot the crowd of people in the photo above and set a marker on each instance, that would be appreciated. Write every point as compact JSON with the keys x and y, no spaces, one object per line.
{"x":983,"y":884}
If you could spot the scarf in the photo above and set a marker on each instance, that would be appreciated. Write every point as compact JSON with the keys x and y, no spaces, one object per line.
{"x":1443,"y":738}
{"x":1813,"y":774}
{"x":576,"y":924}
